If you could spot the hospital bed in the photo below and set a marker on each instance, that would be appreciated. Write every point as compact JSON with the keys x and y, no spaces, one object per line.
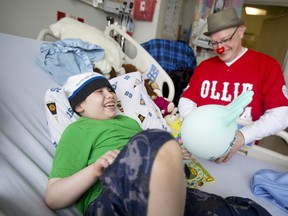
{"x":26,"y":151}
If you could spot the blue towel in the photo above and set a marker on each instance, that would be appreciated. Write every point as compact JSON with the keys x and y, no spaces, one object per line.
{"x":272,"y":186}
{"x":68,"y":57}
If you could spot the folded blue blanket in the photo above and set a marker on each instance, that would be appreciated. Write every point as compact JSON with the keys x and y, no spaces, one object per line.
{"x":68,"y":57}
{"x":272,"y":186}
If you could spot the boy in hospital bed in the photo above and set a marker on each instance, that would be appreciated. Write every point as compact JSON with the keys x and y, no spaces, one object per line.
{"x":106,"y":164}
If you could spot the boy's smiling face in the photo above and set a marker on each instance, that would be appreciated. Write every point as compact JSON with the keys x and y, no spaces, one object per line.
{"x":100,"y":105}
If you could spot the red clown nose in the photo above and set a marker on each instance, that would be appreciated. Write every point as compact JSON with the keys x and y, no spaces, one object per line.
{"x":220,"y":50}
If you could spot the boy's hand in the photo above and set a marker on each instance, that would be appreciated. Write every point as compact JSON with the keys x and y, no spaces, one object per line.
{"x":104,"y":161}
{"x":186,"y":155}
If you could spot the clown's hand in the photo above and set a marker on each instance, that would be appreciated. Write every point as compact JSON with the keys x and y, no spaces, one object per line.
{"x":239,"y":143}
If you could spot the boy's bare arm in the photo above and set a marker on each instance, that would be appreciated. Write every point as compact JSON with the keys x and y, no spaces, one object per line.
{"x":63,"y":192}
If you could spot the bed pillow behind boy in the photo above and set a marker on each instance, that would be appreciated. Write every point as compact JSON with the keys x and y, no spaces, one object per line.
{"x":133,"y":101}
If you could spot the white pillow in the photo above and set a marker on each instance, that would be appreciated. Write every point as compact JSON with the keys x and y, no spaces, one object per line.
{"x":59,"y":113}
{"x":133,"y":101}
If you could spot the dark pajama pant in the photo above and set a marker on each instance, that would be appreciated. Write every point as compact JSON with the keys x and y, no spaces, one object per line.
{"x":126,"y":185}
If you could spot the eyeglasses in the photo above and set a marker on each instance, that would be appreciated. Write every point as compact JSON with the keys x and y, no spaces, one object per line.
{"x":214,"y":44}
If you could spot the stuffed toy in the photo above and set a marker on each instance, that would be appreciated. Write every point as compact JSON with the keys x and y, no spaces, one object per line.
{"x":166,"y":107}
{"x":109,"y":75}
{"x":114,"y":56}
{"x":129,"y":68}
{"x":174,"y":121}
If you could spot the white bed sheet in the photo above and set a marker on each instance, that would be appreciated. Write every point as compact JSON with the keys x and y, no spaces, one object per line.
{"x":26,"y":151}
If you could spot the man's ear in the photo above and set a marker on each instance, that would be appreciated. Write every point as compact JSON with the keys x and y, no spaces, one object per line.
{"x":79,"y":108}
{"x":242,"y":30}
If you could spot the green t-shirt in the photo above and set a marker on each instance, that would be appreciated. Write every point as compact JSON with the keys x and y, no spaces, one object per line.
{"x":84,"y":141}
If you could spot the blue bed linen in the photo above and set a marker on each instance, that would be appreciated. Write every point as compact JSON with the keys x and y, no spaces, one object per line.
{"x":272,"y":186}
{"x":68,"y":57}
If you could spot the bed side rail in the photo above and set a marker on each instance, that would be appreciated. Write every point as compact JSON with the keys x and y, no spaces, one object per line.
{"x":265,"y":154}
{"x":139,"y":57}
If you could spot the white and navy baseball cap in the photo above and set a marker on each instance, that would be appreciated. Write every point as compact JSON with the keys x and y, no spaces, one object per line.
{"x":80,"y":86}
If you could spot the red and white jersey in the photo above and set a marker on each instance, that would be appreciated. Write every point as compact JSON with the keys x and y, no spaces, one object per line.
{"x":213,"y":82}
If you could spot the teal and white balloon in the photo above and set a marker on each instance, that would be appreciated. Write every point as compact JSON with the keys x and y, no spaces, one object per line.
{"x":208,"y":131}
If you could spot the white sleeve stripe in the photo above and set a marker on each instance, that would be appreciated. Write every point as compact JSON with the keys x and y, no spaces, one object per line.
{"x":185,"y":106}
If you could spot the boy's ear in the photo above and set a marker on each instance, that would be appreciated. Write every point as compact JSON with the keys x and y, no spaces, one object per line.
{"x":79,"y":108}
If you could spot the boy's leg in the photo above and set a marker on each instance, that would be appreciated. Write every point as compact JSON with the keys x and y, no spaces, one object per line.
{"x":148,"y":170}
{"x":167,"y":182}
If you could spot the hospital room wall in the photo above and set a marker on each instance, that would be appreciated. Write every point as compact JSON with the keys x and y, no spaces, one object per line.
{"x":27,"y":17}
